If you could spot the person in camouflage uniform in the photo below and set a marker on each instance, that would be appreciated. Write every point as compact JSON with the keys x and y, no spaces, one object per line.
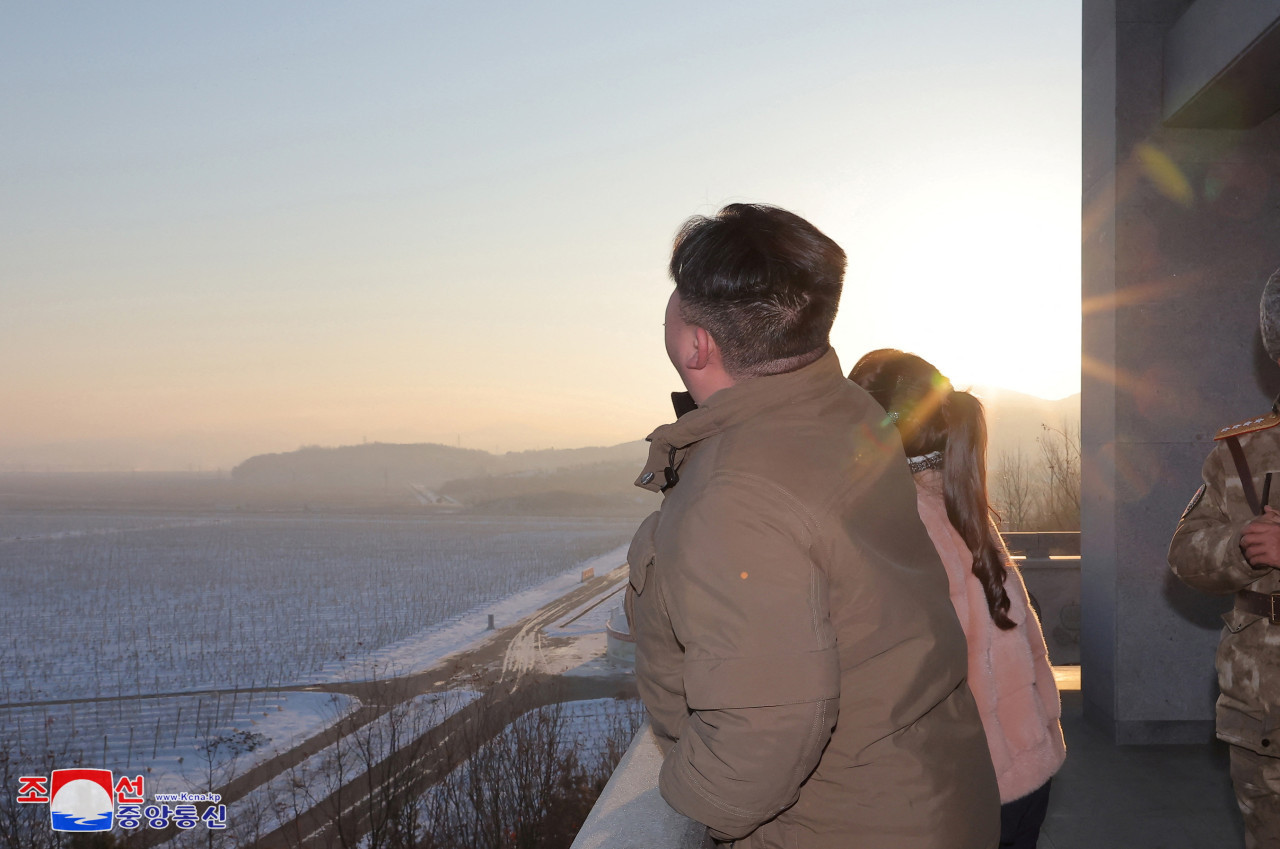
{"x":1228,"y":541}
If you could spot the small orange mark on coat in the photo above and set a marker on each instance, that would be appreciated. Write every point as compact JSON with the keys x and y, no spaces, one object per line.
{"x":743,"y":576}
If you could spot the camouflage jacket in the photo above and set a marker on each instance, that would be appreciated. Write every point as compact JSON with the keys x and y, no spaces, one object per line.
{"x":1205,"y":553}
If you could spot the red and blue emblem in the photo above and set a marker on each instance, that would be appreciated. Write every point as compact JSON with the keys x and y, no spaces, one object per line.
{"x":81,"y":800}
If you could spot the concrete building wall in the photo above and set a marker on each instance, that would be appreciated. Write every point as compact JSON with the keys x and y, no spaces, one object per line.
{"x":1180,"y":229}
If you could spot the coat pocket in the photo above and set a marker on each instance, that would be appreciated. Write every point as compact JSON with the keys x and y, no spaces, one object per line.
{"x":641,"y":554}
{"x":1238,"y":620}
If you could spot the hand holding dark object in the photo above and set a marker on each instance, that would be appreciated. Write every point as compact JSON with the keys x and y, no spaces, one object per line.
{"x":1260,"y":539}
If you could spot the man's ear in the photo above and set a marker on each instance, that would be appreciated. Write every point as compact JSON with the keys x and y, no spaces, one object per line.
{"x":704,"y":348}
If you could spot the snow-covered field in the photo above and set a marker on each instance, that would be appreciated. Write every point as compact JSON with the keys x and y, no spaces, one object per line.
{"x":424,"y":649}
{"x":149,"y":610}
{"x":179,"y":743}
{"x":174,"y":605}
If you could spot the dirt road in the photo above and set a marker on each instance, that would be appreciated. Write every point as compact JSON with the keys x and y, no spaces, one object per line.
{"x":505,"y":669}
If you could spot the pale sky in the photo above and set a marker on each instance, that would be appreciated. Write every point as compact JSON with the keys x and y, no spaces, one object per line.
{"x":234,"y":228}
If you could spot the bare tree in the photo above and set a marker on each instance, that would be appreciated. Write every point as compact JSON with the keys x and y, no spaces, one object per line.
{"x":387,"y":752}
{"x":217,"y":757}
{"x":408,"y":780}
{"x":361,"y":790}
{"x":26,"y":826}
{"x":530,"y":787}
{"x":502,"y":795}
{"x":1040,"y":493}
{"x":1060,"y":450}
{"x":1013,"y":490}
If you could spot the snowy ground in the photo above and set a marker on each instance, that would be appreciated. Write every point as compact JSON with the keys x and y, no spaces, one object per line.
{"x":296,"y":715}
{"x":38,"y":527}
{"x":584,"y":629}
{"x":471,"y":630}
{"x":255,"y":727}
{"x":303,"y":786}
{"x":114,"y":606}
{"x":155,"y":738}
{"x":574,"y":644}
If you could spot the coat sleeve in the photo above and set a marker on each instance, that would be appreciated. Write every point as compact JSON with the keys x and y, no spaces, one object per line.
{"x":1205,"y":551}
{"x":659,"y":657}
{"x":761,"y":674}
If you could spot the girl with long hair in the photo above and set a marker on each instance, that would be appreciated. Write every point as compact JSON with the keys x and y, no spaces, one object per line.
{"x":944,"y":433}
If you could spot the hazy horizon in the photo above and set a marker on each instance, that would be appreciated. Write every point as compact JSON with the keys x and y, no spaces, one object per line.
{"x":238,"y":229}
{"x":207,"y":452}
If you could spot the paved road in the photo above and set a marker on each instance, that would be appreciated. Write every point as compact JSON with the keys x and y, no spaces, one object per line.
{"x":501,"y":668}
{"x":343,"y":816}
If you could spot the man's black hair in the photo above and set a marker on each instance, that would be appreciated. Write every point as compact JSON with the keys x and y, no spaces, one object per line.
{"x":763,"y":282}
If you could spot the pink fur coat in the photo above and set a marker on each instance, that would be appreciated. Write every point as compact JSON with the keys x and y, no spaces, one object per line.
{"x":1009,"y":671}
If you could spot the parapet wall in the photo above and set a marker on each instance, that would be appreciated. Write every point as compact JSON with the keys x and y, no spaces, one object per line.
{"x":631,"y":813}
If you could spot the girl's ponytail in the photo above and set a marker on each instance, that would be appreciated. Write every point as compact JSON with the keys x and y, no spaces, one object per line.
{"x":964,"y":491}
{"x":935,"y":420}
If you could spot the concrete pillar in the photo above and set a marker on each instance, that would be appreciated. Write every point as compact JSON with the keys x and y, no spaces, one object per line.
{"x":1180,"y":229}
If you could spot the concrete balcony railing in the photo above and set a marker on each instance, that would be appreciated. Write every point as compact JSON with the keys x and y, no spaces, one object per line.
{"x":631,"y":813}
{"x":1050,"y":567}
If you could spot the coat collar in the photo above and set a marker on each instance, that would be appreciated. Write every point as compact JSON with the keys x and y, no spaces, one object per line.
{"x":669,"y":443}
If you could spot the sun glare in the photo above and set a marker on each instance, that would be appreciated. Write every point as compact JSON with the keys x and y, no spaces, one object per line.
{"x":984,"y":283}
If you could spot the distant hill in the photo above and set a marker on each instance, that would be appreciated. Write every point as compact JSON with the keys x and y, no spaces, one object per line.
{"x":413,"y":478}
{"x":548,"y":459}
{"x":381,"y":464}
{"x":1015,"y":421}
{"x":598,"y":489}
{"x":576,"y":481}
{"x":375,"y":465}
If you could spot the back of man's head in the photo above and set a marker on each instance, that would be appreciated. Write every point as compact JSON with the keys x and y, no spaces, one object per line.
{"x":763,"y":282}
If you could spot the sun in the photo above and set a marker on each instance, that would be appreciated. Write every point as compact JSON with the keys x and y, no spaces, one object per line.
{"x":983,"y":284}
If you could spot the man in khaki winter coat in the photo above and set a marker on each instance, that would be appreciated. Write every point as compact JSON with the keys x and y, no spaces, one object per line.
{"x":1228,"y":541}
{"x":796,"y":646}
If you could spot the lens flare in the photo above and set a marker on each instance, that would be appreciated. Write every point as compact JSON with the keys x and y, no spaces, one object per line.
{"x":1164,"y":174}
